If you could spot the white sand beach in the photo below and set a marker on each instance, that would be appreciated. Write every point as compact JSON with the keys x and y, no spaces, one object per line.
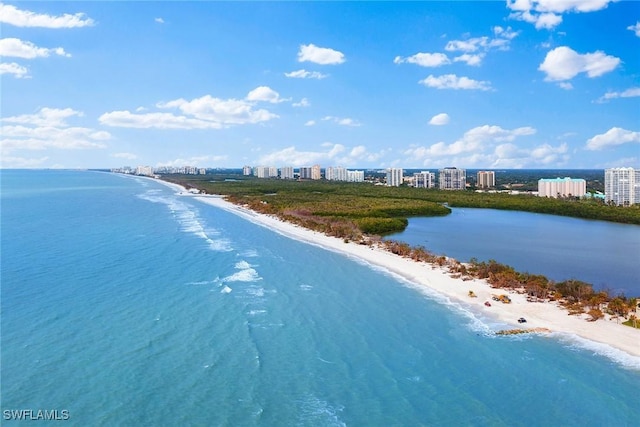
{"x":601,"y":336}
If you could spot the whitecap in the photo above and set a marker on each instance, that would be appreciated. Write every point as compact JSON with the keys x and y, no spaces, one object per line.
{"x":620,"y":357}
{"x":241,"y":265}
{"x":226,"y":290}
{"x":256,"y":312}
{"x":306,"y":287}
{"x":246,"y":275}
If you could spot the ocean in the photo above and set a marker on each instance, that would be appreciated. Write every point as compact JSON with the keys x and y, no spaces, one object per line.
{"x":126,"y":304}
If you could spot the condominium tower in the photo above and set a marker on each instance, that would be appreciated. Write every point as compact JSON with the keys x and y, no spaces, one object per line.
{"x":622,"y":186}
{"x":394,"y":177}
{"x":452,"y":179}
{"x":486,"y":179}
{"x":424,"y":179}
{"x":562,"y":187}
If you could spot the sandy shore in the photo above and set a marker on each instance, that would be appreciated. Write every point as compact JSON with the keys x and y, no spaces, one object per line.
{"x":604,"y":336}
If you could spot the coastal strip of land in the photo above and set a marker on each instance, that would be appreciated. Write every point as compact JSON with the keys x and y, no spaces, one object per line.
{"x":540,"y":316}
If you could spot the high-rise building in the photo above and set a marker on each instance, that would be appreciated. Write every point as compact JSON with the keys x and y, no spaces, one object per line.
{"x":247,"y":170}
{"x":452,"y":179}
{"x":335,"y":173}
{"x":486,"y":179}
{"x":355,"y":176}
{"x":424,"y":179}
{"x":622,"y":186}
{"x":316,"y":172}
{"x":266,"y":172}
{"x":394,"y":177}
{"x":310,"y":172}
{"x":286,"y":172}
{"x":562,"y":187}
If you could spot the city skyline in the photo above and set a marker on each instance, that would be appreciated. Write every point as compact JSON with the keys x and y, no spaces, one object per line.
{"x":477,"y":85}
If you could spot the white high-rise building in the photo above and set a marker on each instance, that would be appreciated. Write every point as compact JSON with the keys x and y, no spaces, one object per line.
{"x":562,"y":187}
{"x":424,"y":179}
{"x":310,"y":172}
{"x":452,"y":179}
{"x":266,"y":172}
{"x":394,"y":177}
{"x":486,"y":179}
{"x":355,"y":176}
{"x":622,"y":186}
{"x":335,"y":174}
{"x":286,"y":172}
{"x":247,"y":170}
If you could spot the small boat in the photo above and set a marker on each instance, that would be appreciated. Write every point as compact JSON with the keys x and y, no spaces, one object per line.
{"x":487,"y":303}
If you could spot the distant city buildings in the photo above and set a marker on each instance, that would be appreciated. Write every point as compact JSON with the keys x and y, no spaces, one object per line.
{"x":335,"y":174}
{"x":265,"y":171}
{"x":424,"y":179}
{"x":452,"y":179}
{"x":394,"y":177}
{"x":622,"y":186}
{"x":247,"y":170}
{"x":486,"y":179}
{"x":310,"y":172}
{"x":286,"y":172}
{"x":562,"y":187}
{"x":355,"y":176}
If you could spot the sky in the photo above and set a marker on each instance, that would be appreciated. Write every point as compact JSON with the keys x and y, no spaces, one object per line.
{"x":487,"y":84}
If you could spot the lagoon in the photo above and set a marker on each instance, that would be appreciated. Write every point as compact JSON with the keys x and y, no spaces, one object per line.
{"x":602,"y":253}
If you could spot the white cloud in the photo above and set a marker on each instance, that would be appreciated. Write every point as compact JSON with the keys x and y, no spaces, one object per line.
{"x":473,"y":60}
{"x":319,"y":55}
{"x":635,"y":28}
{"x":310,"y":123}
{"x":159,"y":20}
{"x":628,"y":93}
{"x":564,"y":63}
{"x":304,"y":102}
{"x":451,"y":81}
{"x":469,"y":45}
{"x":342,"y":121}
{"x":48,"y":129}
{"x":474,"y":140}
{"x":548,"y":13}
{"x":205,"y":112}
{"x":265,"y":94}
{"x":20,"y":49}
{"x":197,"y":161}
{"x":126,"y":119}
{"x":424,"y":59}
{"x":439,"y":119}
{"x":22,"y":162}
{"x":16,"y":70}
{"x":565,"y":85}
{"x":334,"y":154}
{"x":612,"y":137}
{"x":304,"y":74}
{"x":126,"y":156}
{"x":23,"y":18}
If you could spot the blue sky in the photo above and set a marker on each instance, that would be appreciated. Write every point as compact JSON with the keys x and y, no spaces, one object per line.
{"x":504,"y":84}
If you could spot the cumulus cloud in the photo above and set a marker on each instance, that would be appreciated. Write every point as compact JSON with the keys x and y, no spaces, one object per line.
{"x":310,"y":123}
{"x":629,"y":93}
{"x":476,"y":140}
{"x":611,"y":138}
{"x":336,"y":154}
{"x":548,"y":13}
{"x":451,"y":81}
{"x":424,"y":59}
{"x":473,"y":60}
{"x":304,"y":102}
{"x":265,"y":94}
{"x":439,"y":119}
{"x":197,"y":161}
{"x":342,"y":121}
{"x":159,"y":20}
{"x":635,"y":28}
{"x":46,"y":129}
{"x":320,"y":55}
{"x":304,"y":74}
{"x":23,"y":18}
{"x":564,"y":63}
{"x":17,"y":70}
{"x":23,"y":49}
{"x":22,"y":162}
{"x":206,"y":112}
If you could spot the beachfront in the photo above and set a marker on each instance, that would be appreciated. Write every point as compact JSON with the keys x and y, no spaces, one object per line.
{"x":429,"y":278}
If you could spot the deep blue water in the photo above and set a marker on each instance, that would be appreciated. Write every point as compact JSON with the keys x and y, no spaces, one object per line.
{"x":127,"y":304}
{"x":604,"y":254}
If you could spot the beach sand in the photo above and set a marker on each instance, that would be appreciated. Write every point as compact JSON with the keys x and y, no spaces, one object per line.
{"x":603,"y":336}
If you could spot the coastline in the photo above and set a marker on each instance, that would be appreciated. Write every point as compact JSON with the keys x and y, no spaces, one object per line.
{"x":603,"y":336}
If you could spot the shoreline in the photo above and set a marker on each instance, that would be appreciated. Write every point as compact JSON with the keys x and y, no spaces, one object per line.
{"x":541,"y":316}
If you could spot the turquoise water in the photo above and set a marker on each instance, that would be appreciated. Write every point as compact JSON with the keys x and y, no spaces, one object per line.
{"x":604,"y":254}
{"x":126,"y":304}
